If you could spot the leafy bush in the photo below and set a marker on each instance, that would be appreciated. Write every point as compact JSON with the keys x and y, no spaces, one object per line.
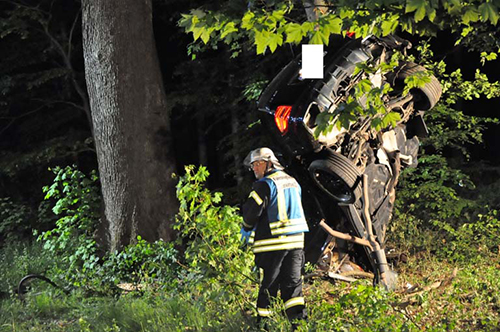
{"x":211,"y":232}
{"x":428,"y":195}
{"x":142,"y":261}
{"x":473,"y":240}
{"x":20,"y":259}
{"x":14,"y":220}
{"x":77,"y":203}
{"x":216,"y":265}
{"x":432,"y":213}
{"x":438,"y":196}
{"x":214,"y":247}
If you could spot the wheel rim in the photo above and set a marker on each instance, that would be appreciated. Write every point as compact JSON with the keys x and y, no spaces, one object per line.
{"x":334,"y":185}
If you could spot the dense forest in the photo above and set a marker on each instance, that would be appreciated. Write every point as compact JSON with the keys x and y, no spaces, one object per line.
{"x":106,"y":104}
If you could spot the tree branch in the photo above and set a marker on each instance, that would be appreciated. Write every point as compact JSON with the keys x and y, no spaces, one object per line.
{"x":49,"y":102}
{"x":19,"y":117}
{"x":72,"y":30}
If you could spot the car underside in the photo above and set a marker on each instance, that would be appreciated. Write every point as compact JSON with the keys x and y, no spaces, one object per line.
{"x":348,"y":174}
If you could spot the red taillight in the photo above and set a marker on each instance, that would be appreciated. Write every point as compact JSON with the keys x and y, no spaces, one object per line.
{"x":281,"y":117}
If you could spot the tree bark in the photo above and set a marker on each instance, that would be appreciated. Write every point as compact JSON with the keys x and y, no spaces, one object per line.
{"x":131,"y":122}
{"x":314,"y":8}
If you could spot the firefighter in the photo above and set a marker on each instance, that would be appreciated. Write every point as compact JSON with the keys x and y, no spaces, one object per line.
{"x":273,"y":213}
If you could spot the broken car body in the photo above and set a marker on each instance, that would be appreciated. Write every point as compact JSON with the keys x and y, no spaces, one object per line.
{"x":349,"y":174}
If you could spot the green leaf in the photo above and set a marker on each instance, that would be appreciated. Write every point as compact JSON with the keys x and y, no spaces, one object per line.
{"x":345,"y":120}
{"x":261,"y":40}
{"x":320,"y":37}
{"x":228,"y":28}
{"x":431,"y":13}
{"x":307,"y":27}
{"x":294,"y":33}
{"x":198,"y":13}
{"x":377,"y":124}
{"x":391,"y":119}
{"x":420,"y":14}
{"x":346,"y":13}
{"x":389,"y":26}
{"x":247,"y":22}
{"x":197,"y":32}
{"x":186,"y":22}
{"x":489,"y":56}
{"x":413,"y":5}
{"x":471,"y":15}
{"x":274,"y":40}
{"x":489,"y":12}
{"x":363,"y":87}
{"x":278,"y":14}
{"x":205,"y":35}
{"x":334,"y":25}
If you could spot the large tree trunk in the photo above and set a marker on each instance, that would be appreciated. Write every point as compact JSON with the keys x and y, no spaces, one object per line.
{"x":131,"y":125}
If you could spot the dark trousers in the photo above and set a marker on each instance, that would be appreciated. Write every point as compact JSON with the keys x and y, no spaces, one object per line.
{"x":282,"y":271}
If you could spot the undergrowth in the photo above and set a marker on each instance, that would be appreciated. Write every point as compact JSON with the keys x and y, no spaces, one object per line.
{"x":468,"y":301}
{"x":212,"y":286}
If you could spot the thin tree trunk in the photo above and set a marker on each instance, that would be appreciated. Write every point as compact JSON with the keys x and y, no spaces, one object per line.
{"x":314,"y":8}
{"x":235,"y":126}
{"x":131,"y":125}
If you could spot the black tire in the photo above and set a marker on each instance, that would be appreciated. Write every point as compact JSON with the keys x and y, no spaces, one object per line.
{"x":338,"y":177}
{"x":425,"y":97}
{"x":343,"y":64}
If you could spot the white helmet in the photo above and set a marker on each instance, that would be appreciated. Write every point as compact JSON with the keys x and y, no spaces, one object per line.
{"x":265,"y":154}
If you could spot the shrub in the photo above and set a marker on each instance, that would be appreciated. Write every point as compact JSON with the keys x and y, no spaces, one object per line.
{"x":20,"y":259}
{"x":428,"y":195}
{"x":77,"y":203}
{"x":14,"y":220}
{"x":142,"y":261}
{"x":216,"y":264}
{"x":473,"y":240}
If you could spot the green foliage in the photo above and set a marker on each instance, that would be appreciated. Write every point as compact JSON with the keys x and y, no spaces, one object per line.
{"x":434,"y":198}
{"x":467,"y":302}
{"x":214,"y":250}
{"x":279,"y":22}
{"x":77,"y":203}
{"x":14,"y":219}
{"x":141,"y":262}
{"x":473,"y":240}
{"x":253,"y":90}
{"x":452,"y":129}
{"x":367,"y":101}
{"x":14,"y":164}
{"x":20,"y":259}
{"x":428,"y":195}
{"x":192,"y":299}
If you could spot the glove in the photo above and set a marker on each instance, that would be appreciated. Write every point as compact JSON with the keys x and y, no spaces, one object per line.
{"x":245,"y":235}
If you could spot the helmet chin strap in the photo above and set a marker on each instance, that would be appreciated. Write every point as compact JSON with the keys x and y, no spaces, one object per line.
{"x":267,"y":166}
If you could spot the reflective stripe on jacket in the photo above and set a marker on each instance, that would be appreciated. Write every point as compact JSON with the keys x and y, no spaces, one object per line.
{"x":284,"y":242}
{"x":285,"y":212}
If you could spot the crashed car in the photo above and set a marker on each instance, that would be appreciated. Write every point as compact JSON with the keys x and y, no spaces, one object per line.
{"x":348,"y":175}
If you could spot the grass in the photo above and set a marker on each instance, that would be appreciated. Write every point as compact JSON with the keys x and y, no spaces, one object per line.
{"x":432,"y":295}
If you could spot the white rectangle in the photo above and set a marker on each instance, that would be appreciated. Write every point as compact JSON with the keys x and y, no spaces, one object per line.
{"x":312,"y":61}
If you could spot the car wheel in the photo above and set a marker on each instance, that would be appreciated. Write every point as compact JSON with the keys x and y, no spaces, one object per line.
{"x":338,"y":177}
{"x":425,"y":97}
